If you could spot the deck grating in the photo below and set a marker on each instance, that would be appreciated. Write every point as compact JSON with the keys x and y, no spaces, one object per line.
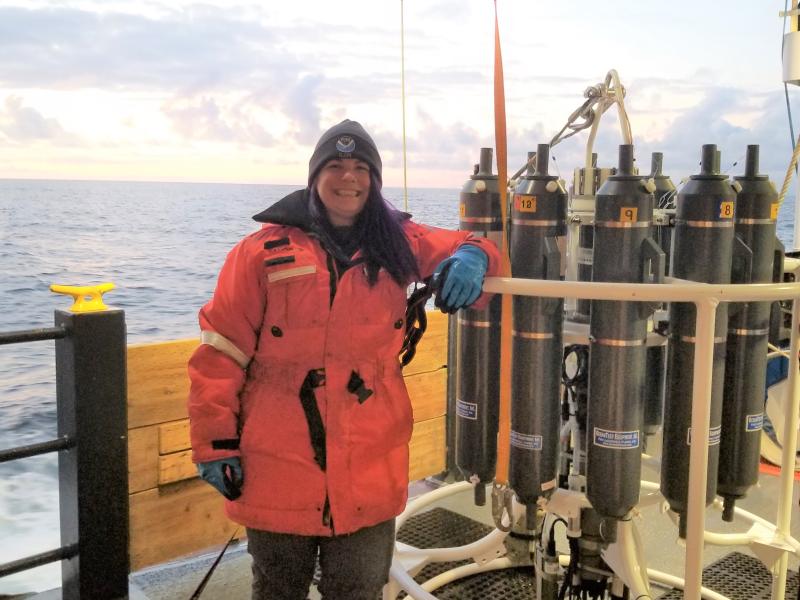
{"x":739,"y":577}
{"x":441,"y":528}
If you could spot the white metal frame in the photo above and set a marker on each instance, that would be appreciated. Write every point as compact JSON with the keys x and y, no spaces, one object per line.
{"x":771,"y":542}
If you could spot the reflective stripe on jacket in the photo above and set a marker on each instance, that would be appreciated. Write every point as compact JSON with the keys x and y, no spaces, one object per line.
{"x":279,"y":304}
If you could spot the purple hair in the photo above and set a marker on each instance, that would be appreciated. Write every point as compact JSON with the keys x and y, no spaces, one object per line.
{"x":379,"y":231}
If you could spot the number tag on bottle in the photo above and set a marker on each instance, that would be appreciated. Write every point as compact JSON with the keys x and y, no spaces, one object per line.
{"x":524,"y":203}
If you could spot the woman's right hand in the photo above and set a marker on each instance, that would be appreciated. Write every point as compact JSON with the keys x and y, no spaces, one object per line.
{"x":224,"y":474}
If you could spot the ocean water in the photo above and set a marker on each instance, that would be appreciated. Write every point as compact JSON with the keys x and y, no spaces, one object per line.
{"x":162,"y":245}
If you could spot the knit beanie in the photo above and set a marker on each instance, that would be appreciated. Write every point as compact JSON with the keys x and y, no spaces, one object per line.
{"x":348,"y":139}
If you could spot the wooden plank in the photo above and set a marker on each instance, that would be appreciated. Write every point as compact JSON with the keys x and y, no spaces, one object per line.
{"x":427,"y":449}
{"x":175,"y":521}
{"x":428,"y":393}
{"x":432,"y":349}
{"x":142,"y":458}
{"x":176,"y":467}
{"x":427,"y":455}
{"x":173,"y":437}
{"x":158,"y":382}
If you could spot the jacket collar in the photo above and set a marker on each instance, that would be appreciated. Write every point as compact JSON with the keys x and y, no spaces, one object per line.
{"x":290,"y":210}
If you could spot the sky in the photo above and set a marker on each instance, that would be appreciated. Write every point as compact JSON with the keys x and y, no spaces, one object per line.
{"x":238,"y":91}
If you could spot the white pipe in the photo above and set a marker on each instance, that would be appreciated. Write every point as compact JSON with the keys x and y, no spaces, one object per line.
{"x":650,"y":460}
{"x":477,"y":548}
{"x":653,"y":496}
{"x":417,"y":504}
{"x":408,"y":585}
{"x":619,"y":98}
{"x":784,"y":516}
{"x":649,"y":485}
{"x":677,"y":583}
{"x":466,"y":570}
{"x":423,"y":592}
{"x":674,"y":290}
{"x":698,"y":447}
{"x":727,"y":539}
{"x":637,"y":578}
{"x":739,"y":539}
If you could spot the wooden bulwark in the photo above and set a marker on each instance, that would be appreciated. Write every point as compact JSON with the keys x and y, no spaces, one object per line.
{"x":172,"y":512}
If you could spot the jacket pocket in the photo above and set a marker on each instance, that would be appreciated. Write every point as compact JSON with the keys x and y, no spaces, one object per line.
{"x":384,"y":420}
{"x":273,"y":421}
{"x":297,"y":296}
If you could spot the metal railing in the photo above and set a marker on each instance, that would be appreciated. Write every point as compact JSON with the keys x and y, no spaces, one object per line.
{"x":92,"y":454}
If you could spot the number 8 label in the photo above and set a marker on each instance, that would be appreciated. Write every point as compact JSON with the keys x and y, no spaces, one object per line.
{"x":726,"y":210}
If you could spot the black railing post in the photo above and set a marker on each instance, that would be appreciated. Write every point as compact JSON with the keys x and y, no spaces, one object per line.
{"x":93,"y":476}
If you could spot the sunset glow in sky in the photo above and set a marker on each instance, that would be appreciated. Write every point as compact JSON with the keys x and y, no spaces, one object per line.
{"x":240,"y":91}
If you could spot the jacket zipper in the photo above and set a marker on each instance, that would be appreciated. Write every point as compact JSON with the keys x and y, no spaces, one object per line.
{"x":333,"y":276}
{"x":327,"y":521}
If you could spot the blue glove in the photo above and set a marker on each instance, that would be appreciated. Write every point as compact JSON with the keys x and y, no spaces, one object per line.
{"x":459,"y":278}
{"x":224,"y":474}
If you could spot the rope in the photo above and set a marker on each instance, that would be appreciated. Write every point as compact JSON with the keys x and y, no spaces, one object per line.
{"x":403,"y":94}
{"x":199,"y":591}
{"x":599,"y":98}
{"x":504,"y":433}
{"x":788,"y":178}
{"x":785,"y":86}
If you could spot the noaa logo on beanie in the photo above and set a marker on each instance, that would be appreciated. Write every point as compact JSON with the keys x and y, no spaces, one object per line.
{"x":345,"y":144}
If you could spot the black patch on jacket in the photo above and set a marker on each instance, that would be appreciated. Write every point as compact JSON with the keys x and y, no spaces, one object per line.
{"x":230,"y":444}
{"x":281,"y":260}
{"x":284,"y":241}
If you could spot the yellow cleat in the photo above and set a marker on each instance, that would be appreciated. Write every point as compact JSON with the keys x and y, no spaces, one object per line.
{"x":87,"y":298}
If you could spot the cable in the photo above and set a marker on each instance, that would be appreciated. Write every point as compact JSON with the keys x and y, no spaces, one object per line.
{"x":785,"y":86}
{"x":197,"y":593}
{"x":571,"y":569}
{"x":667,"y":200}
{"x":599,"y":98}
{"x":403,"y":85}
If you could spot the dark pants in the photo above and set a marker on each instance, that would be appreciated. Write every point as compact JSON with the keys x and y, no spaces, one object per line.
{"x":354,"y":566}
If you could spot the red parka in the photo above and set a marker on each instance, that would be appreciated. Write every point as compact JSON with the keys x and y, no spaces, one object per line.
{"x":277,"y":313}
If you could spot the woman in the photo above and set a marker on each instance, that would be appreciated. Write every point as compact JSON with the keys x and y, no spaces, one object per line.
{"x":299,"y":414}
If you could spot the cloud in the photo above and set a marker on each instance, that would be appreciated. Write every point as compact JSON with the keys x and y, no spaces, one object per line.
{"x":203,"y":119}
{"x":71,"y":48}
{"x":301,"y":106}
{"x":197,"y":49}
{"x":25,"y":124}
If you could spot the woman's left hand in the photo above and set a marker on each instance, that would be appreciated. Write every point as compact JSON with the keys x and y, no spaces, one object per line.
{"x":459,"y":278}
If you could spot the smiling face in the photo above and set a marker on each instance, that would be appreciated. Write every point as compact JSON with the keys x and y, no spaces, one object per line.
{"x":343,"y":187}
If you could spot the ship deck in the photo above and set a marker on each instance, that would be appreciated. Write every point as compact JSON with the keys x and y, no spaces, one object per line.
{"x":231,"y":580}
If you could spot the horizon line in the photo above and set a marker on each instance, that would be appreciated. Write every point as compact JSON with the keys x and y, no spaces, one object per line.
{"x":185,"y":182}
